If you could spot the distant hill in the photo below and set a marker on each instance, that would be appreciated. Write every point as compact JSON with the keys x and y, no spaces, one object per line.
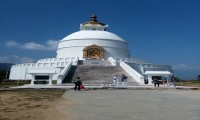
{"x":5,"y":66}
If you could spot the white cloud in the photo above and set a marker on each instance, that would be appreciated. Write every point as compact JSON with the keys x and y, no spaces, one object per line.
{"x":15,"y":59}
{"x":180,"y":66}
{"x":53,"y":44}
{"x":33,"y":46}
{"x":15,"y":56}
{"x":12,"y":44}
{"x":49,"y":45}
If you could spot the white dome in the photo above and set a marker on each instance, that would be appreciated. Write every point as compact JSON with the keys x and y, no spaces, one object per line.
{"x":91,"y":34}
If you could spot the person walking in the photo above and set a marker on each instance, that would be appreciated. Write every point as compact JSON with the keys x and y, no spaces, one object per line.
{"x":124,"y":79}
{"x":115,"y":79}
{"x":156,"y":82}
{"x":78,"y":84}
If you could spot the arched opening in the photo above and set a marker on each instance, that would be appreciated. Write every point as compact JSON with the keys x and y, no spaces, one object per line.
{"x":94,"y":52}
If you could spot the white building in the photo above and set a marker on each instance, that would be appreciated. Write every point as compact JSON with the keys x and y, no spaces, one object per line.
{"x":91,"y":42}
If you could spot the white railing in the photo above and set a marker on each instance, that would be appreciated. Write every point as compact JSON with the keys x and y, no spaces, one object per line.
{"x":138,"y":77}
{"x":75,"y":61}
{"x":151,"y":67}
{"x":55,"y":64}
{"x":64,"y":72}
{"x":49,"y":62}
{"x":24,"y":65}
{"x":56,"y":60}
{"x":112,"y":61}
{"x":130,"y":60}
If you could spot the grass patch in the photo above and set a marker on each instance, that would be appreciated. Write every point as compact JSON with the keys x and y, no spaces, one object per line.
{"x":192,"y":83}
{"x":10,"y":83}
{"x":36,"y":94}
{"x":19,"y":104}
{"x":42,"y":94}
{"x":54,"y":81}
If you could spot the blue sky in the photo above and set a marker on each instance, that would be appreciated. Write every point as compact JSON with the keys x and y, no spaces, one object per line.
{"x":158,"y":31}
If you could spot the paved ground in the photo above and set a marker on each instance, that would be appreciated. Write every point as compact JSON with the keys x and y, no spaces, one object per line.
{"x":124,"y":104}
{"x":95,"y":86}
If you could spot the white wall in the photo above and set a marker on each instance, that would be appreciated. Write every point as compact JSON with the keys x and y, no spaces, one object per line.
{"x":18,"y":73}
{"x":23,"y":73}
{"x":86,"y":42}
{"x":113,"y":48}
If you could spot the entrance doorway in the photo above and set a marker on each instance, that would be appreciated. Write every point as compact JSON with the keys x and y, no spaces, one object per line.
{"x":157,"y":77}
{"x":41,"y":79}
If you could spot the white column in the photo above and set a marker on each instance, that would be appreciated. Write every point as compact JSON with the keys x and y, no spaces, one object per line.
{"x":142,"y":69}
{"x":149,"y":79}
{"x":50,"y":79}
{"x":33,"y":79}
{"x":59,"y":80}
{"x":25,"y":74}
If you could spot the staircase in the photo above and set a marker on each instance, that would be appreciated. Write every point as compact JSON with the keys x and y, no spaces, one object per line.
{"x":68,"y":78}
{"x":135,"y":67}
{"x":96,"y":72}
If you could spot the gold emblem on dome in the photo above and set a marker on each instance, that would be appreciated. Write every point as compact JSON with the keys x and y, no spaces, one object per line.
{"x":93,"y":51}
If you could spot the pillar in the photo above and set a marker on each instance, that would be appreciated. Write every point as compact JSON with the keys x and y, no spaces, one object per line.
{"x":33,"y":79}
{"x":150,"y":79}
{"x":50,"y":80}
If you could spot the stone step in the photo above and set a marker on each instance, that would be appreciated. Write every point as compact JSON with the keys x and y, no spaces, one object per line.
{"x":97,"y":74}
{"x":95,"y":62}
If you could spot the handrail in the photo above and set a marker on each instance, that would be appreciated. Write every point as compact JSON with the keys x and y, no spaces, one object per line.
{"x":48,"y":62}
{"x":130,"y":60}
{"x":75,"y":61}
{"x":155,"y":67}
{"x":54,"y":59}
{"x":138,"y":77}
{"x":64,"y":72}
{"x":112,"y":61}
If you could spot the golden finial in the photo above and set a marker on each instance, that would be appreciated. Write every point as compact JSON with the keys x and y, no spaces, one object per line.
{"x":93,"y":18}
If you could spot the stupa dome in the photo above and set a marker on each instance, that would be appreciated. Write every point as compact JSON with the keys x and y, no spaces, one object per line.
{"x":91,"y":34}
{"x":93,"y":37}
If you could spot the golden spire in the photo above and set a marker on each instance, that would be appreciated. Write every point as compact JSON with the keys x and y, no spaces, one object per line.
{"x":93,"y":18}
{"x":94,"y":21}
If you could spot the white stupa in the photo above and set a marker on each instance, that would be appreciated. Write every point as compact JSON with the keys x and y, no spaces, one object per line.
{"x":92,"y":42}
{"x":91,"y":39}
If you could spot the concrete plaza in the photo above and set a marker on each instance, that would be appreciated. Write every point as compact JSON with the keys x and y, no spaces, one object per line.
{"x":126,"y":104}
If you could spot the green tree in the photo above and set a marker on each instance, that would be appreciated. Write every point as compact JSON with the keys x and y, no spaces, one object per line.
{"x":2,"y":75}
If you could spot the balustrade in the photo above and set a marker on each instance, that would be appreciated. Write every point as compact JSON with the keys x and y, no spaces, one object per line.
{"x":48,"y":62}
